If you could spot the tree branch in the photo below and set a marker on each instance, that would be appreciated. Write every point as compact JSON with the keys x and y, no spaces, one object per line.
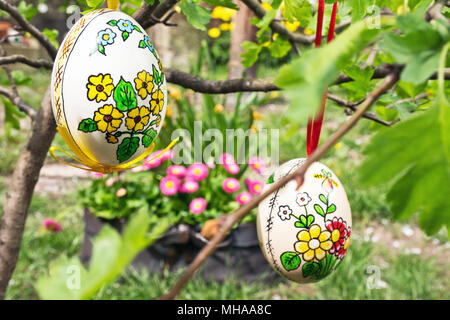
{"x":277,"y":26}
{"x":17,"y":58}
{"x":237,"y":215}
{"x":17,"y":101}
{"x":149,"y":15}
{"x":43,"y":40}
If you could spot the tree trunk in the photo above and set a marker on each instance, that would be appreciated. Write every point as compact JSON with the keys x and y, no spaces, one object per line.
{"x":21,"y":189}
{"x":243,"y":31}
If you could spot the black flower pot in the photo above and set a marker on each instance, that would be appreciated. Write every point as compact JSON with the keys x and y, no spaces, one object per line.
{"x":238,"y":255}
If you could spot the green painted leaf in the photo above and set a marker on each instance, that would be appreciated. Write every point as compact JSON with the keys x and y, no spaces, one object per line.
{"x":196,"y":15}
{"x":331,"y":209}
{"x":125,"y":35}
{"x":323,"y":199}
{"x":127,"y":148}
{"x":290,"y":260}
{"x":319,"y":210}
{"x":310,"y":269}
{"x":142,"y":44}
{"x":112,"y":23}
{"x":303,"y":220}
{"x":101,"y":49}
{"x":250,"y":54}
{"x":310,"y":219}
{"x":124,"y":96}
{"x":298,"y":224}
{"x":270,"y":180}
{"x":137,"y":28}
{"x":88,"y":125}
{"x":156,"y":76}
{"x":149,"y":136}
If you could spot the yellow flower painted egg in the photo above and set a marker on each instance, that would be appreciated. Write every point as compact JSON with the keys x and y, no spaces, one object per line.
{"x":304,"y":234}
{"x":108,"y":90}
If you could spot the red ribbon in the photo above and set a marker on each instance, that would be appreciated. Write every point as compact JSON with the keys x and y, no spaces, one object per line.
{"x":315,"y":124}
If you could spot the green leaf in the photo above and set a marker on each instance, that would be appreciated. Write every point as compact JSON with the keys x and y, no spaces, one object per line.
{"x":331,"y":209}
{"x":305,"y":79}
{"x":197,"y":15}
{"x":323,"y":199}
{"x":111,"y":254}
{"x":319,"y":210}
{"x":149,"y":136}
{"x":88,"y":125}
{"x":125,"y":35}
{"x":12,"y":114}
{"x":124,"y":96}
{"x":413,"y":157}
{"x":298,"y":9}
{"x":112,"y":23}
{"x":27,"y":10}
{"x":21,"y":78}
{"x":94,"y":4}
{"x":290,"y":260}
{"x":222,"y":3}
{"x":280,"y":47}
{"x":142,"y":44}
{"x":101,"y":49}
{"x":250,"y":54}
{"x":387,"y":114}
{"x":137,"y":28}
{"x":156,"y":76}
{"x":419,"y":53}
{"x":359,"y":8}
{"x":309,"y":269}
{"x":310,"y":219}
{"x":127,"y":148}
{"x":52,"y":35}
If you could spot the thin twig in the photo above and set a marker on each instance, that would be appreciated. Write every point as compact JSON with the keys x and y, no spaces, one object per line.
{"x":237,"y":215}
{"x":17,"y":58}
{"x":43,"y":40}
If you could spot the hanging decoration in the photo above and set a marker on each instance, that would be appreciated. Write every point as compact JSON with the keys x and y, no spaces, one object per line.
{"x":109,"y":92}
{"x":305,"y":233}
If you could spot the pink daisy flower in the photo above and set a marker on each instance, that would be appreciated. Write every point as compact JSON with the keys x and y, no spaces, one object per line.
{"x":169,"y":185}
{"x":153,"y":163}
{"x":176,"y":171}
{"x":254,"y":186}
{"x":257,"y":164}
{"x":122,"y":192}
{"x":110,"y":182}
{"x":168,"y":155}
{"x":197,"y":206}
{"x":230,"y":185}
{"x":197,"y":171}
{"x":243,"y":197}
{"x":189,"y":186}
{"x":229,"y":164}
{"x":97,"y":175}
{"x":52,"y":225}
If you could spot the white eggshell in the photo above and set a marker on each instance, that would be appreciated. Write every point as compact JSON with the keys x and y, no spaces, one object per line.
{"x":300,"y":240}
{"x":104,"y":60}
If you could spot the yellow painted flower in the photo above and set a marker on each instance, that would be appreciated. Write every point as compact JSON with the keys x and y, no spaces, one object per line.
{"x":214,"y":33}
{"x":314,"y":243}
{"x":158,"y":120}
{"x":144,"y":84}
{"x":111,"y":139}
{"x":108,"y":118}
{"x":266,"y":6}
{"x":218,"y":108}
{"x":137,"y":118}
{"x":99,"y":87}
{"x":157,"y":102}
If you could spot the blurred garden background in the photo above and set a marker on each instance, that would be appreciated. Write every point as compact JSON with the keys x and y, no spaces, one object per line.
{"x":387,"y":259}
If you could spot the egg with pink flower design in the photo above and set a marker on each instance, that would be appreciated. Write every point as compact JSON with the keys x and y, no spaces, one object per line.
{"x":305,"y":233}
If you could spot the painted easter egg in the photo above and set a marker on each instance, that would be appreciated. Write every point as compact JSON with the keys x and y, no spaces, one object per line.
{"x":108,"y":90}
{"x":304,"y":234}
